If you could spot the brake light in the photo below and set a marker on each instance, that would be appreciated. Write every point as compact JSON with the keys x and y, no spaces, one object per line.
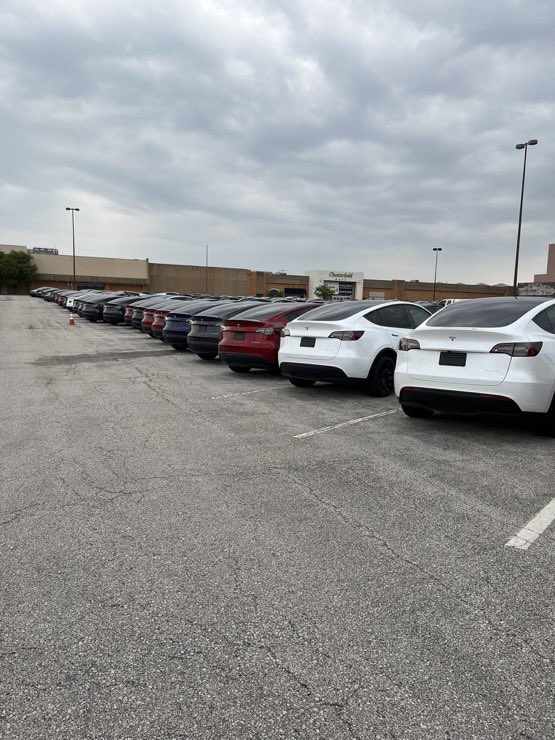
{"x":346,"y":336}
{"x":405,"y":344}
{"x":265,"y":330}
{"x":518,"y":349}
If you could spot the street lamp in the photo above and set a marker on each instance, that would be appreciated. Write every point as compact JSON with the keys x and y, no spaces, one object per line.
{"x":525,"y":146}
{"x":73,"y":234}
{"x":436,"y":250}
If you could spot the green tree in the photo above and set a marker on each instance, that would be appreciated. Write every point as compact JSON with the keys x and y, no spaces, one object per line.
{"x":275,"y":293}
{"x":323,"y":292}
{"x":16,"y":267}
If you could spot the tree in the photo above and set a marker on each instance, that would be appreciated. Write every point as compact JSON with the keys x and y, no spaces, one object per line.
{"x":275,"y":293}
{"x":324,"y":292}
{"x":16,"y":267}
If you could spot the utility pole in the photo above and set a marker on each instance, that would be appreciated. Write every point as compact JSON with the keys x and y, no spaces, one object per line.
{"x":73,"y":235}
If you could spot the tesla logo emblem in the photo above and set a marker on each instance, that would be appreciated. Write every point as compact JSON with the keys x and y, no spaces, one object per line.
{"x":452,"y":338}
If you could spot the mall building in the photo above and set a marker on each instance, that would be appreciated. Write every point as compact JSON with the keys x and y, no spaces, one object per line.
{"x":114,"y":273}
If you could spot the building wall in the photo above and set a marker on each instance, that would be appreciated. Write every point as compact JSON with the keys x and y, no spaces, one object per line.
{"x":196,"y":279}
{"x":100,"y":267}
{"x":12,"y":248}
{"x":549,"y":276}
{"x":417,"y":291}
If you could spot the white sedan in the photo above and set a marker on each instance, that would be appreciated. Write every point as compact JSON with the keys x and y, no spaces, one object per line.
{"x":348,"y":342}
{"x":488,"y":355}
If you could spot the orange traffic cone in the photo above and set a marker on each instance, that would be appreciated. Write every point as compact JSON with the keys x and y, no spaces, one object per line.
{"x":71,"y":321}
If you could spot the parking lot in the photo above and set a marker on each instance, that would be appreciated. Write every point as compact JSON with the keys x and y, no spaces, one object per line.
{"x":191,"y":553}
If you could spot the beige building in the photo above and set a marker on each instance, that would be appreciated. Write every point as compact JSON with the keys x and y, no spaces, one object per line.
{"x":112,"y":273}
{"x":549,"y":276}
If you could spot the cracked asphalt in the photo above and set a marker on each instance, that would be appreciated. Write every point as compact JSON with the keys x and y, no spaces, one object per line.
{"x":175,"y":564}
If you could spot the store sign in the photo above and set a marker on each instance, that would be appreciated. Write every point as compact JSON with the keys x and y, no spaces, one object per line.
{"x":341,"y":275}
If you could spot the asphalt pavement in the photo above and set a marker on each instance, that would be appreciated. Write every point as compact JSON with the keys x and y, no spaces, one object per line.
{"x":186,"y":552}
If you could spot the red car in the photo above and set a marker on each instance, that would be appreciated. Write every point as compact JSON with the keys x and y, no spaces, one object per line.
{"x":252,"y":339}
{"x":159,"y":323}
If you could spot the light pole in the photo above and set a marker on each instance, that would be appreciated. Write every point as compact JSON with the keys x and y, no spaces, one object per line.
{"x":525,"y":146}
{"x":437,"y":250}
{"x":73,"y":235}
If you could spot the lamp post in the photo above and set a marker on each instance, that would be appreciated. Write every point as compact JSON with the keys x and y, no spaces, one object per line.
{"x":437,"y":250}
{"x":73,"y":235}
{"x":524,"y":146}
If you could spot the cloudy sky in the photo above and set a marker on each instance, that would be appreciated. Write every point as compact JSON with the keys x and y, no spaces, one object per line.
{"x":341,"y":134}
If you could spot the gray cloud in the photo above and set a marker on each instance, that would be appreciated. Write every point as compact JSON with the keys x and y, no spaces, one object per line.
{"x":317,"y":134}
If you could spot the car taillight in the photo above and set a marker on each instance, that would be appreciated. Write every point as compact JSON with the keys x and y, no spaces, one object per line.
{"x":518,"y":349}
{"x":405,"y":344}
{"x":285,"y":332}
{"x":346,"y":336}
{"x":264,"y":330}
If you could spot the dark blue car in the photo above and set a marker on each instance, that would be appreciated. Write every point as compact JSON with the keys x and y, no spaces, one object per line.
{"x":177,"y":324}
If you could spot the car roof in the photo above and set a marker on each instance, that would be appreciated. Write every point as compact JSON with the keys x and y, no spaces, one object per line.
{"x":227,"y":309}
{"x":271,"y":310}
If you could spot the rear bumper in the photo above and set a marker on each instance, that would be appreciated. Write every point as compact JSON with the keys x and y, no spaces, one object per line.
{"x":157,"y":332}
{"x":178,"y":338}
{"x":210,"y":346}
{"x":328,"y":373}
{"x":458,"y":402}
{"x":136,"y":324}
{"x":245,"y":360}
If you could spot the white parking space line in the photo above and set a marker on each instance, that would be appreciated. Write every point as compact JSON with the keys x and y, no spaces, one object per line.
{"x":536,"y":526}
{"x":344,"y":424}
{"x":248,"y":393}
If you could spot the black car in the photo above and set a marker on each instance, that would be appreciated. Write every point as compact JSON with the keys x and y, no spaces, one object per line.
{"x":94,"y":305}
{"x":206,"y":327}
{"x":178,"y":321}
{"x":114,"y":310}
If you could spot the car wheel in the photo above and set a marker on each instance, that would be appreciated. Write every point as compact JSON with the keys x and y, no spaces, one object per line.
{"x":93,"y":321}
{"x":179,"y":347}
{"x":417,"y":412}
{"x":239,"y":368}
{"x":302,"y":382}
{"x":206,"y":356}
{"x":380,"y":381}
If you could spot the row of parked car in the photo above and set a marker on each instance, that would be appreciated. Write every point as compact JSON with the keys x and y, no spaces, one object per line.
{"x":486,"y":355}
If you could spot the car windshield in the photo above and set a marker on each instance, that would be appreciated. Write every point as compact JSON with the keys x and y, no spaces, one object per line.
{"x":334,"y":312}
{"x":484,"y":313}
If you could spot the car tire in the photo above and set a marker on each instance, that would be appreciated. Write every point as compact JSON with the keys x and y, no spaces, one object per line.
{"x":417,"y":412}
{"x":380,"y":380}
{"x":206,"y":356}
{"x":302,"y":382}
{"x":239,"y":368}
{"x":179,"y":347}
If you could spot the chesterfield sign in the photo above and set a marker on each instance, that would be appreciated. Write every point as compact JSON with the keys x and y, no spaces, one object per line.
{"x":343,"y":275}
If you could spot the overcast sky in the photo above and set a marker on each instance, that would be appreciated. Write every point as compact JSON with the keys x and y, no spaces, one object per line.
{"x":340,"y":134}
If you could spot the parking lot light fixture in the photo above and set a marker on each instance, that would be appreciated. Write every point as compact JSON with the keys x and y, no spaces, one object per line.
{"x":530,"y":142}
{"x":437,"y":250}
{"x":73,"y":238}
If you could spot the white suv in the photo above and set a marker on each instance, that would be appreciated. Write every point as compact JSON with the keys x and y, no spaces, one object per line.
{"x":348,"y":342}
{"x":493,"y":355}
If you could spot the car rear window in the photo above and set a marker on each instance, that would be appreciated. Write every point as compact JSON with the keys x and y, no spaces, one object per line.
{"x":484,"y":313}
{"x":226,"y":311}
{"x":335,"y":312}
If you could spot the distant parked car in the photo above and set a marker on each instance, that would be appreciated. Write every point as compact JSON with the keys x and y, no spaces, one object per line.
{"x":251,"y":339}
{"x":138,"y":313}
{"x":178,"y":321}
{"x":207,"y":325}
{"x":114,"y":310}
{"x":348,"y":342}
{"x":93,"y":306}
{"x":431,"y":306}
{"x":488,"y":355}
